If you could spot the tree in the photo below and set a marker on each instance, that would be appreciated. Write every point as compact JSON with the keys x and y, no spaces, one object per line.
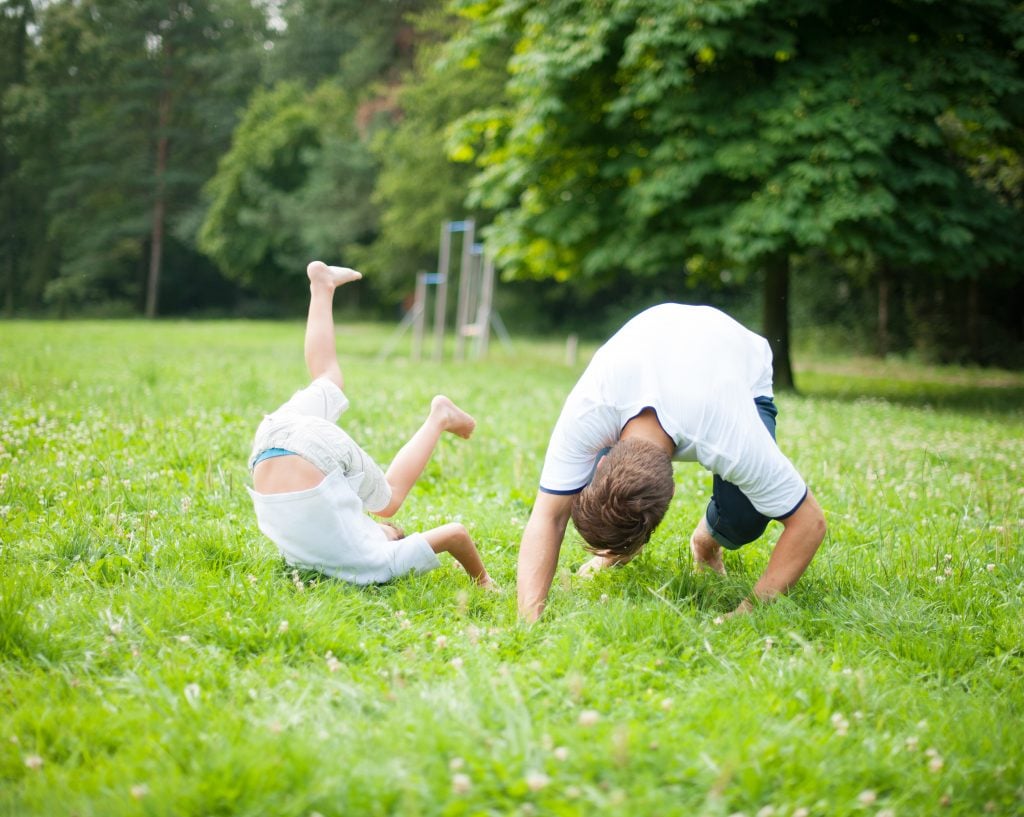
{"x":295,"y":185}
{"x":14,"y":21}
{"x":421,"y":184}
{"x":299,"y":179}
{"x":124,"y":109}
{"x":353,"y":41}
{"x":665,"y":137}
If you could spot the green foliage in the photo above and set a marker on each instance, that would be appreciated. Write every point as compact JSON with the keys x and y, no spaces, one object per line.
{"x":295,"y":185}
{"x":645,"y":135}
{"x":103,"y":83}
{"x":421,"y":184}
{"x":157,"y":657}
{"x":355,"y":42}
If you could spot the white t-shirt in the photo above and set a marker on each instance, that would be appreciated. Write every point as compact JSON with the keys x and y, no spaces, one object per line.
{"x":324,"y":528}
{"x":700,"y":370}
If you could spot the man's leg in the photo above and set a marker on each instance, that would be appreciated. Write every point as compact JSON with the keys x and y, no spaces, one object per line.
{"x":321,"y":354}
{"x":730,"y":518}
{"x":707,"y":553}
{"x":410,"y":461}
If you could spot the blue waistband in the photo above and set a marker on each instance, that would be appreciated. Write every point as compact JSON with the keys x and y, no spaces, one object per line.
{"x":271,"y":452}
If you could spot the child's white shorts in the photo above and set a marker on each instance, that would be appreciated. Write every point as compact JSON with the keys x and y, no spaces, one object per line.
{"x":307,"y":425}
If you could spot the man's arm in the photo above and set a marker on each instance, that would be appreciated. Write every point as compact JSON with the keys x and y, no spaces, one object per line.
{"x":803,"y":533}
{"x":538,"y":552}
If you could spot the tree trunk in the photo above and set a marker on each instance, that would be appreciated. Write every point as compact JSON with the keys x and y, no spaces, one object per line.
{"x":156,"y":245}
{"x":776,"y":319}
{"x":973,"y":322}
{"x":9,"y":163}
{"x":882,"y":335}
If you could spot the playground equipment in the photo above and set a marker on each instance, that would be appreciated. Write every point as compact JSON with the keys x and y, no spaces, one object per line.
{"x":475,"y":315}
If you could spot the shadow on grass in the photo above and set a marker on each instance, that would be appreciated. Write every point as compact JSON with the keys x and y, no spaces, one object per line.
{"x":996,"y":395}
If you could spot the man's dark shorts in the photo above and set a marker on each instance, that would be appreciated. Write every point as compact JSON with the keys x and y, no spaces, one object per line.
{"x":731,"y":518}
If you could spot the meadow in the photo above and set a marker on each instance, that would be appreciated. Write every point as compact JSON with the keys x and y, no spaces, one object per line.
{"x":158,"y":658}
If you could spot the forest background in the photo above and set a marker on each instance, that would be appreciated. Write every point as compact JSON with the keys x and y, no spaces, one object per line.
{"x":853,"y":168}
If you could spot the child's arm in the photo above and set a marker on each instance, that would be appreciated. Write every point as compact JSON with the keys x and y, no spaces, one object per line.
{"x":453,"y":538}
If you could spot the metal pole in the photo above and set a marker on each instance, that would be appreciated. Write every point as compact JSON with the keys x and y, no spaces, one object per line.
{"x":419,"y":306}
{"x":483,"y":315}
{"x":440,"y":304}
{"x":465,"y":281}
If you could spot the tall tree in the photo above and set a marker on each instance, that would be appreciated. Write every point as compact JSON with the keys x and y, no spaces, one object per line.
{"x":16,"y":202}
{"x":352,"y":41}
{"x":140,"y":99}
{"x":299,"y":178}
{"x":667,"y":137}
{"x":421,"y":184}
{"x":295,"y":184}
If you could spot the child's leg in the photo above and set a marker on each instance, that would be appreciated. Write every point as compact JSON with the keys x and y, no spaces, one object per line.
{"x":453,"y":538}
{"x":321,"y":355}
{"x":410,"y":461}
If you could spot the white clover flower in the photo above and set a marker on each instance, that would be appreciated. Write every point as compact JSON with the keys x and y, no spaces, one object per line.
{"x":535,"y":781}
{"x":840,"y":723}
{"x":192,"y":693}
{"x":461,"y":783}
{"x":588,"y":717}
{"x":33,"y":761}
{"x":456,"y":763}
{"x":867,"y":797}
{"x":139,"y":790}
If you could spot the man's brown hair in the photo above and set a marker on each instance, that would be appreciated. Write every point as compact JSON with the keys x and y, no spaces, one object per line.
{"x":626,"y":500}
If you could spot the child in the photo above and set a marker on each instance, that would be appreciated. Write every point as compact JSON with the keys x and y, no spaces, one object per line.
{"x":312,"y":481}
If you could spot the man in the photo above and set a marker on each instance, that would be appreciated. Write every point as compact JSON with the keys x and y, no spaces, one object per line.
{"x":676,"y":382}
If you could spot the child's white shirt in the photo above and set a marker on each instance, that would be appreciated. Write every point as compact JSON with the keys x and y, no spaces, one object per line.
{"x":325,"y":529}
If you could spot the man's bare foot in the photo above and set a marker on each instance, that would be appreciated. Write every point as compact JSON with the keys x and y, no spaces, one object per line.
{"x":452,"y":418}
{"x":321,"y":273}
{"x":707,"y":553}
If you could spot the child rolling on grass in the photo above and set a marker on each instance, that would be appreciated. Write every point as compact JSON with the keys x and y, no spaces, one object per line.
{"x":312,"y":483}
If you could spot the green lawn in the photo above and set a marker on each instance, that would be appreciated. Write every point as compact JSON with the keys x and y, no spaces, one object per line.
{"x":159,"y":659}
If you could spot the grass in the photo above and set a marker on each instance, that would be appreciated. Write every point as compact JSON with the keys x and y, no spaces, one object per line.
{"x":157,"y":658}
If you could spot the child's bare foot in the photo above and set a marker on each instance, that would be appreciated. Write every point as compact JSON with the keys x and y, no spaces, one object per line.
{"x":487,"y":583}
{"x":452,"y":418}
{"x":321,"y":273}
{"x":707,"y":553}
